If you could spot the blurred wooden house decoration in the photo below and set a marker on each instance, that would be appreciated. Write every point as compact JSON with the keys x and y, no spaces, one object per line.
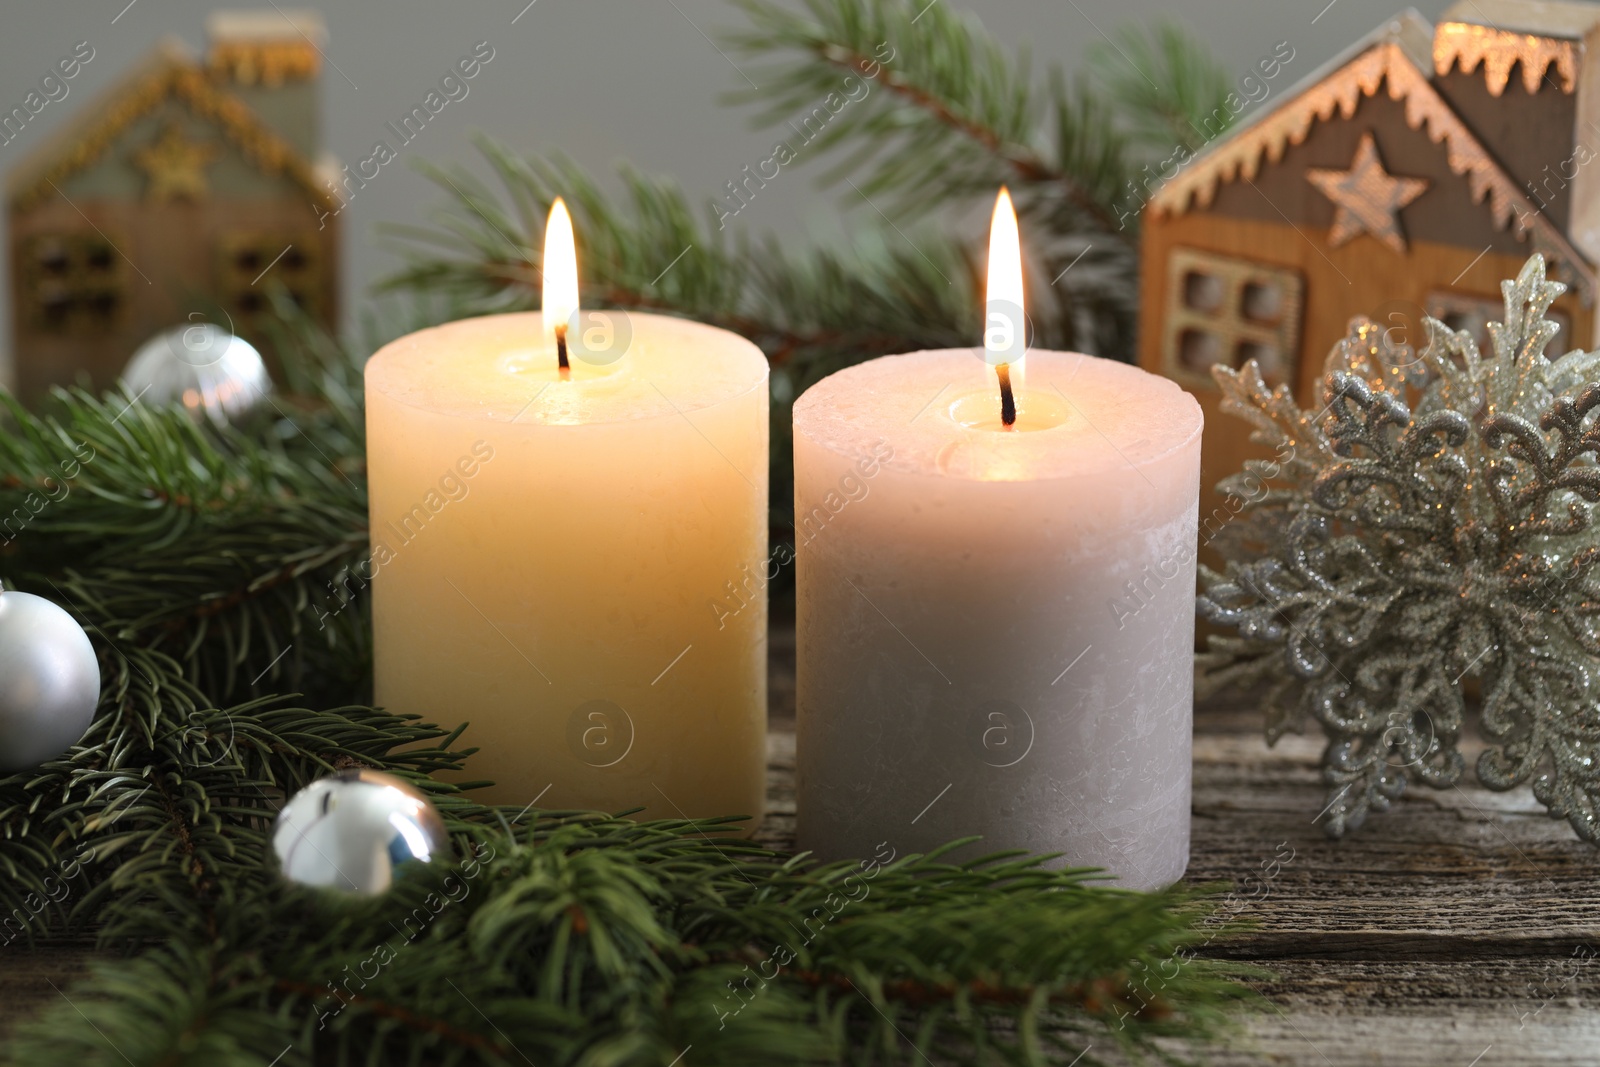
{"x":1408,"y":175}
{"x":184,"y":193}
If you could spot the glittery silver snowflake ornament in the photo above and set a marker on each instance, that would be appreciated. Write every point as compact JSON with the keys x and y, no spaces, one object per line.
{"x":1426,"y":530}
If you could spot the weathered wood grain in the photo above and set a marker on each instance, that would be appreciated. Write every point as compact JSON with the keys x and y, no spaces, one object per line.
{"x":1460,"y":929}
{"x":1408,"y":1015}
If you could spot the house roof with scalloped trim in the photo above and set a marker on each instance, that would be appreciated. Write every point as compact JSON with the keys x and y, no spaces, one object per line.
{"x":171,"y":73}
{"x":1397,"y":59}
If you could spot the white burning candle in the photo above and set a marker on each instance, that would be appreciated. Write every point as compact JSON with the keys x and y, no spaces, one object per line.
{"x":995,"y":638}
{"x":554,"y":508}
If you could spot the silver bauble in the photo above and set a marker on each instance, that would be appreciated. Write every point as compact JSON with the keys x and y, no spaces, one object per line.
{"x":353,"y":831}
{"x":49,"y":681}
{"x":203,"y":367}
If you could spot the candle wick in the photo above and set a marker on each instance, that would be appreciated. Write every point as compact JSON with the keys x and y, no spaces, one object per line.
{"x":561,"y":352}
{"x":1008,"y":403}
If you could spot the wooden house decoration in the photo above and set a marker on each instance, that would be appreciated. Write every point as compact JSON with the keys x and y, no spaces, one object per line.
{"x":183,"y":194}
{"x":1410,"y":174}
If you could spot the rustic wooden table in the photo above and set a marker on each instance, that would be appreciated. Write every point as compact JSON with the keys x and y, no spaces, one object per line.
{"x":1461,"y":929}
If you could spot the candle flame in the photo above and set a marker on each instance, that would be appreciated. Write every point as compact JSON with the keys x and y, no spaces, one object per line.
{"x":1005,"y":327}
{"x":560,"y":278}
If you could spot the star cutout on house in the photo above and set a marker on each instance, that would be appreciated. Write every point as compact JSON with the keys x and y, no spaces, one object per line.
{"x":1366,"y":197}
{"x":176,"y":165}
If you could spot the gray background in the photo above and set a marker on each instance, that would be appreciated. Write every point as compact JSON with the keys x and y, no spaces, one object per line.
{"x":602,"y":80}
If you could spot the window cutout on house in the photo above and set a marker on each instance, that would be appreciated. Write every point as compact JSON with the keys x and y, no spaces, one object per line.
{"x":1225,"y":310}
{"x":1262,"y":302}
{"x":53,"y":257}
{"x":103,"y":306}
{"x":1199,"y":350}
{"x":1203,"y":292}
{"x":70,"y":283}
{"x":255,"y":265}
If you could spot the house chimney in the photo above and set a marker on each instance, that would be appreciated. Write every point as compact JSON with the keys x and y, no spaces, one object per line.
{"x":271,"y":59}
{"x":1517,"y":72}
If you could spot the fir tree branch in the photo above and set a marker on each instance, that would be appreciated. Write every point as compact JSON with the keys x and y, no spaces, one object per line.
{"x":960,"y":117}
{"x":959,"y":114}
{"x":569,"y":932}
{"x":165,"y":536}
{"x":1170,"y":92}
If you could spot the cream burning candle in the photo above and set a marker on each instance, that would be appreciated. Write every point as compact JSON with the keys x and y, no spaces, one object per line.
{"x":995,"y":636}
{"x":555,"y":500}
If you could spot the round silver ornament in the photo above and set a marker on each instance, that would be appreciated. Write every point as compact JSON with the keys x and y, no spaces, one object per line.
{"x":49,"y":681}
{"x":354,"y":831}
{"x":206,"y":369}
